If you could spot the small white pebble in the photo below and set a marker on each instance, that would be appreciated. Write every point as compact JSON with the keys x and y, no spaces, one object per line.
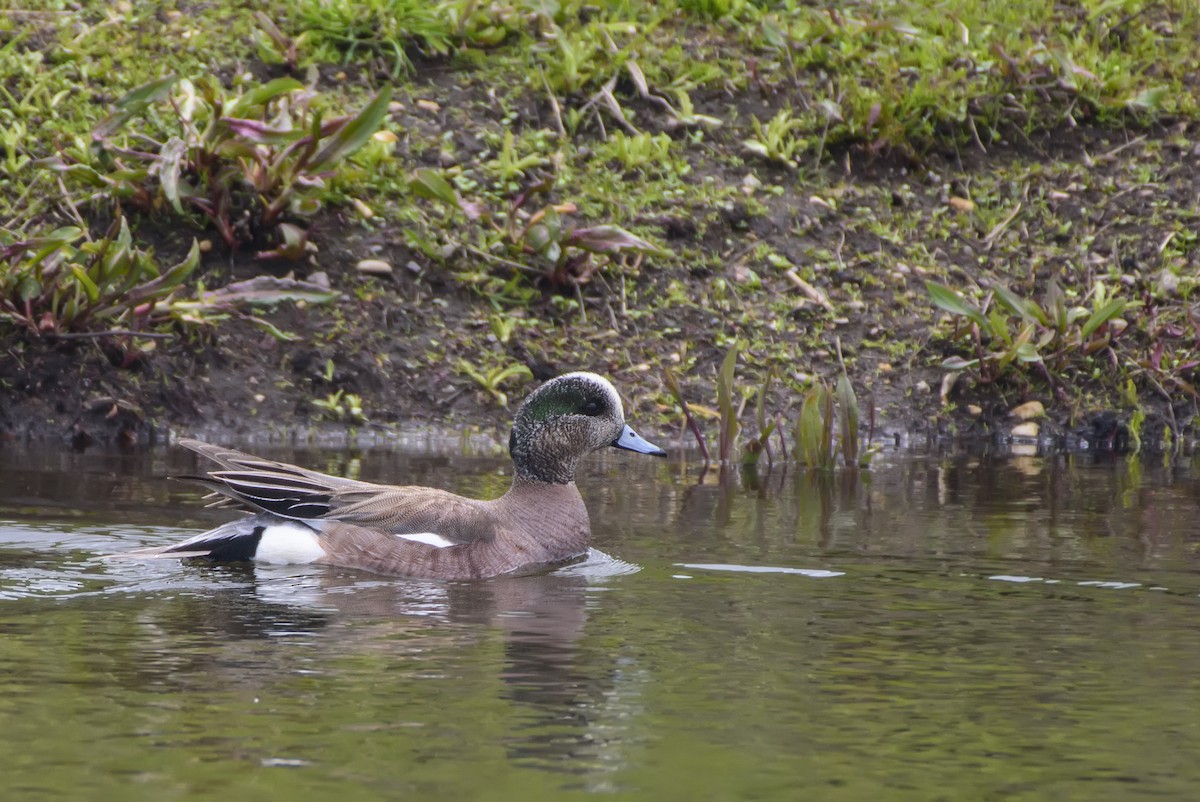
{"x":374,"y":267}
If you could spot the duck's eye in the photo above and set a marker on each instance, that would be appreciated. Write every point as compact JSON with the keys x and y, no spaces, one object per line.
{"x":592,"y":407}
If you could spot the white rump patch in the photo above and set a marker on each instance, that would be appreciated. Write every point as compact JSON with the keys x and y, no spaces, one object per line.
{"x":429,"y":539}
{"x":288,"y":544}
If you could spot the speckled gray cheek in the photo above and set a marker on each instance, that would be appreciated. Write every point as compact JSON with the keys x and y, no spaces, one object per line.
{"x":549,"y":450}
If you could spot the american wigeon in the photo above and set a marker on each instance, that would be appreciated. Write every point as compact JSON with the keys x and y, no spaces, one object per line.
{"x":301,"y":516}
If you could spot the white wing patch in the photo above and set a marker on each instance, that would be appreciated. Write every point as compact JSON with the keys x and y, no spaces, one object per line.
{"x":429,"y":539}
{"x":288,"y":544}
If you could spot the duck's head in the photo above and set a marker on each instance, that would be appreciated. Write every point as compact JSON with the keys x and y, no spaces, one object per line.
{"x":566,"y":418}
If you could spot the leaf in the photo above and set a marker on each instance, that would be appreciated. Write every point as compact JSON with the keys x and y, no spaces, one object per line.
{"x":729,"y":424}
{"x":430,"y":184}
{"x":259,"y":132}
{"x":512,"y":371}
{"x":266,"y":290}
{"x":155,"y":289}
{"x":239,"y":149}
{"x":262,"y":95}
{"x":85,"y":281}
{"x":947,"y":299}
{"x":354,"y":134}
{"x":1102,"y":316}
{"x":271,"y":29}
{"x":1056,"y":301}
{"x":276,"y":332}
{"x":55,"y":239}
{"x":611,"y":239}
{"x":756,"y":147}
{"x":177,"y":273}
{"x":1020,"y":345}
{"x":1148,"y":99}
{"x":169,"y":168}
{"x":134,"y":102}
{"x":957,"y":363}
{"x":1027,"y":352}
{"x":29,"y":288}
{"x":80,"y":172}
{"x":118,"y":259}
{"x":812,"y":428}
{"x":1022,"y":307}
{"x":831,"y":110}
{"x":998,"y":325}
{"x":848,"y":419}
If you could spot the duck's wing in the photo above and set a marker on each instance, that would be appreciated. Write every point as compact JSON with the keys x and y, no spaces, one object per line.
{"x":411,"y":511}
{"x":255,"y":484}
{"x":418,"y":514}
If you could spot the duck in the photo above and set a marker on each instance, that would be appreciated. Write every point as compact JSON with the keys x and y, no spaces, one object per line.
{"x":300,"y":516}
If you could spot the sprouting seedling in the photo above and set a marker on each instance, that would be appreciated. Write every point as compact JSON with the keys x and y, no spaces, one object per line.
{"x":491,"y":379}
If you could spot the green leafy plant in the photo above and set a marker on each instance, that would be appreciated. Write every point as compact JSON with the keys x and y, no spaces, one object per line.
{"x":508,"y":165}
{"x":575,"y":61}
{"x":243,"y":161}
{"x":341,"y":406}
{"x":777,"y":141}
{"x":275,"y":47}
{"x":387,"y":29}
{"x":829,"y":422}
{"x":62,"y":283}
{"x":729,"y":426}
{"x":638,"y":151}
{"x":814,"y":429}
{"x":491,"y":379}
{"x":1007,"y":330}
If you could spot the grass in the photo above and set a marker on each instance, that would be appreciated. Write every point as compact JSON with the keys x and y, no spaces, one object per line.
{"x":776,"y":174}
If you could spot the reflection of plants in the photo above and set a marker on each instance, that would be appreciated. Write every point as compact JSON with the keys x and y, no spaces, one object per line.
{"x":1007,"y":330}
{"x":241,"y":160}
{"x":62,"y":283}
{"x":491,"y":379}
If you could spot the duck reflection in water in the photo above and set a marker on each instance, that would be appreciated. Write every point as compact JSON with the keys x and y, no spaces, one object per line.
{"x":278,"y":621}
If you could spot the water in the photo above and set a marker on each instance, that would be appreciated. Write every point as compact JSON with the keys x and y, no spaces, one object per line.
{"x":944,"y":629}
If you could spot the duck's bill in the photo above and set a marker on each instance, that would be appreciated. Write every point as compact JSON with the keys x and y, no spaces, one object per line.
{"x":632,"y":441}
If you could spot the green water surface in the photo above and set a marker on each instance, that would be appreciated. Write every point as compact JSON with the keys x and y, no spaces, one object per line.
{"x":950,"y":628}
